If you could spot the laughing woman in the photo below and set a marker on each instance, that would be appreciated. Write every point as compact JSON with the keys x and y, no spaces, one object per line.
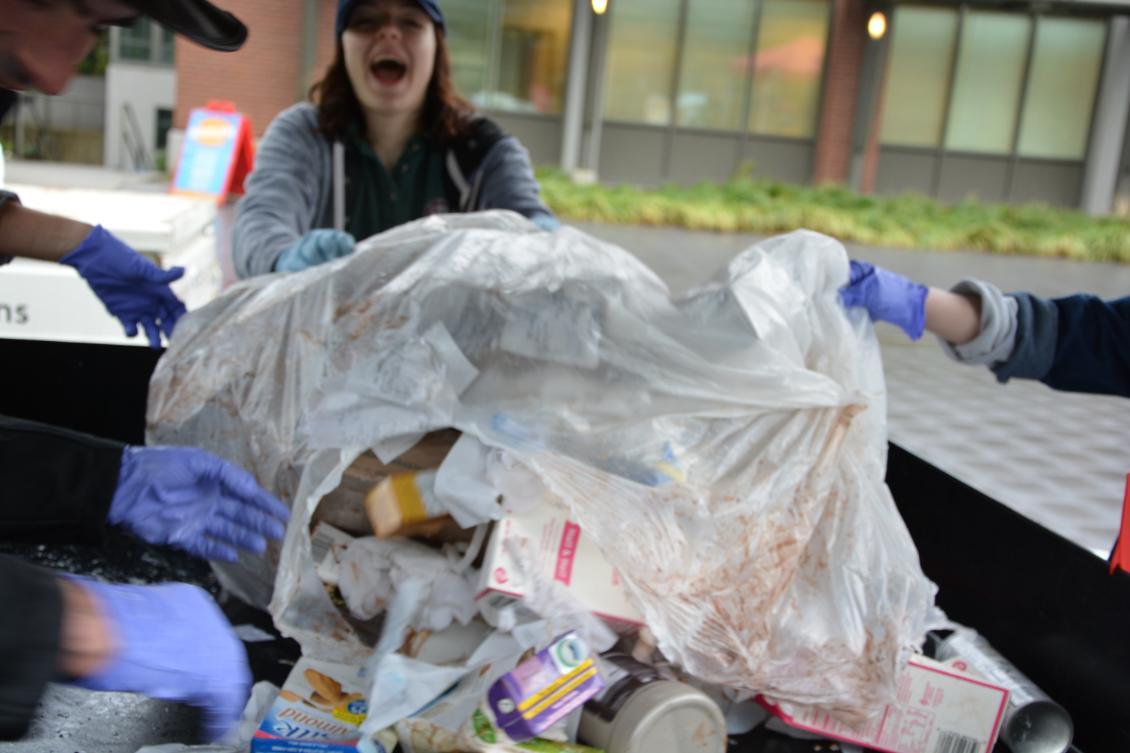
{"x":387,"y":141}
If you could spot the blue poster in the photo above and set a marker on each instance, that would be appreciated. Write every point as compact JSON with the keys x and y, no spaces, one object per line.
{"x":209,"y":153}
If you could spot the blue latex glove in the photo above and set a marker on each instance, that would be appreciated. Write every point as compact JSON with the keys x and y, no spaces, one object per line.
{"x":191,"y":499}
{"x":172,"y":643}
{"x":888,"y":297}
{"x":314,"y":248}
{"x":130,"y":286}
{"x":546,"y":222}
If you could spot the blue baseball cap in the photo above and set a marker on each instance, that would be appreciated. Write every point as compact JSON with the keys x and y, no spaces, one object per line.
{"x":345,"y":9}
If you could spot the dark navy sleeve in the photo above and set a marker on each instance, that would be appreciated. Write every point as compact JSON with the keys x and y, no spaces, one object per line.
{"x":1079,"y":344}
{"x":57,"y":484}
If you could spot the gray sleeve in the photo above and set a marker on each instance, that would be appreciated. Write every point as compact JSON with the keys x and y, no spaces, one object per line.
{"x":506,"y":181}
{"x":286,"y":191}
{"x":1037,"y":338}
{"x":5,"y":197}
{"x":996,"y":340}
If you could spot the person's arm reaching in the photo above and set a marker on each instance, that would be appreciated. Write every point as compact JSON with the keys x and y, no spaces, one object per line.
{"x":61,"y":485}
{"x":954,"y":317}
{"x":285,"y":195}
{"x":507,"y":182}
{"x":57,"y":483}
{"x":131,"y":287}
{"x":1080,"y":343}
{"x":167,"y":641}
{"x":35,"y":235}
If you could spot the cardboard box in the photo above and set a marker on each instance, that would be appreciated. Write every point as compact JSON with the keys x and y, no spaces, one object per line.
{"x":319,"y":710}
{"x":936,"y":709}
{"x":344,"y":507}
{"x":405,"y":504}
{"x":547,"y":540}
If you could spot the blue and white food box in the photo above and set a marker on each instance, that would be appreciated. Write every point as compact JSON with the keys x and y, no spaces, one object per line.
{"x":319,"y":710}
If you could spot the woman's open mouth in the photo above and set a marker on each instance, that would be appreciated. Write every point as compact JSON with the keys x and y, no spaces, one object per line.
{"x":388,"y":70}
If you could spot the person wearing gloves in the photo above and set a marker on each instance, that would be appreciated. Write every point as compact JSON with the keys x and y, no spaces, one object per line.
{"x":41,"y":44}
{"x":386,"y":141}
{"x":168,"y":641}
{"x":1079,"y":343}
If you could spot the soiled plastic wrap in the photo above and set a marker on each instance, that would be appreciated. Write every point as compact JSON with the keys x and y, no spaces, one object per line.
{"x":726,"y":450}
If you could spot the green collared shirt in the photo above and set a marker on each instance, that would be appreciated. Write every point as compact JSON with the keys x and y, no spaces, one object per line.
{"x":382,"y":199}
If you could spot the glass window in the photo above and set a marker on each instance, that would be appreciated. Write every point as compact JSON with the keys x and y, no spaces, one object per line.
{"x":788,"y":67}
{"x":716,"y":63}
{"x":164,"y":123}
{"x":987,"y":85}
{"x":534,"y":54}
{"x":1061,"y":89}
{"x":468,"y":44}
{"x":641,"y":60}
{"x":510,"y":54}
{"x":168,"y":45}
{"x":135,"y":41}
{"x":918,"y":71}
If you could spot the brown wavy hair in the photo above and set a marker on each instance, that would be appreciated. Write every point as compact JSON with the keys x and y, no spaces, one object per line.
{"x":445,"y":114}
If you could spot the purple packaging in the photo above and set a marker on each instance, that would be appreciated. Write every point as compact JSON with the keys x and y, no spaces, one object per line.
{"x":544,"y":688}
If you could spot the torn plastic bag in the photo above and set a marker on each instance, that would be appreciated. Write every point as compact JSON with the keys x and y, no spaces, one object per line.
{"x":725,"y":450}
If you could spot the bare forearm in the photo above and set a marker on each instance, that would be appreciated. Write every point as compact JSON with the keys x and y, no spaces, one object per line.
{"x":954,"y":318}
{"x":34,"y":235}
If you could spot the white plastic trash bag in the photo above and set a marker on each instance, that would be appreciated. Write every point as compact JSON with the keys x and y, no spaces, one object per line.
{"x":725,"y":450}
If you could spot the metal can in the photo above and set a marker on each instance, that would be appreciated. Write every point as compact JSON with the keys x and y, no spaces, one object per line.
{"x":641,"y":712}
{"x":1033,"y":723}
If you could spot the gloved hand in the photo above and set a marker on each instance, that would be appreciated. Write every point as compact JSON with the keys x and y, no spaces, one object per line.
{"x":191,"y":499}
{"x":172,"y":643}
{"x":888,"y":297}
{"x":546,"y":222}
{"x":130,"y":286}
{"x":314,"y":248}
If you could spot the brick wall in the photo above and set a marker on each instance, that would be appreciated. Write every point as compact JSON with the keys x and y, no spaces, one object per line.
{"x":847,"y":38}
{"x":261,"y":78}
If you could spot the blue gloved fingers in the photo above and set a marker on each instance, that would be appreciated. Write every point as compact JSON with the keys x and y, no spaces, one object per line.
{"x":546,"y":222}
{"x":247,"y":517}
{"x":189,"y":498}
{"x":223,"y":702}
{"x":859,"y":270}
{"x":854,"y":293}
{"x":314,"y":248}
{"x":152,"y":332}
{"x":225,"y":531}
{"x":244,"y":487}
{"x":129,"y":326}
{"x":167,"y":323}
{"x":223,"y":713}
{"x":154,"y":273}
{"x":171,"y":314}
{"x":210,"y":549}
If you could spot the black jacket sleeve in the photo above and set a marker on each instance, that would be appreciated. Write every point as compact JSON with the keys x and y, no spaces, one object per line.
{"x":56,"y":484}
{"x":1080,"y":343}
{"x":30,"y":629}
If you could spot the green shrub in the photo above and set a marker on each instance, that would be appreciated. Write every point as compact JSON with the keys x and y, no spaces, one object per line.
{"x":750,"y":205}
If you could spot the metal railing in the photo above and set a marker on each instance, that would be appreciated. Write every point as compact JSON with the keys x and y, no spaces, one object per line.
{"x":133,"y":140}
